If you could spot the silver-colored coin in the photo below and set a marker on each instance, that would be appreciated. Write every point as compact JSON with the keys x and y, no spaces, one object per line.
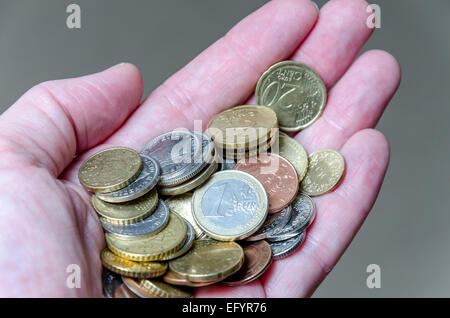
{"x":207,"y":148}
{"x":111,"y":281}
{"x":303,"y":214}
{"x":227,"y":164}
{"x":150,"y":225}
{"x":285,"y":248}
{"x":275,"y":222}
{"x":190,"y":236}
{"x":231,"y":205}
{"x":179,"y":154}
{"x":148,"y":178}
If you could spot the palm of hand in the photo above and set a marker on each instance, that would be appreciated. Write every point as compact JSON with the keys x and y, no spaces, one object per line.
{"x":46,"y":220}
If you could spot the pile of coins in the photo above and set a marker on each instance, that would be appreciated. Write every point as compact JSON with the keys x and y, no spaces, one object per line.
{"x":216,"y":207}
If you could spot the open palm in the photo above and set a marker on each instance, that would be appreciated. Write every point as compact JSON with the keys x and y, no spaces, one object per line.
{"x":46,"y":219}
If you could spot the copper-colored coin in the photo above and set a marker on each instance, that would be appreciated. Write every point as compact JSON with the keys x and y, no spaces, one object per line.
{"x":175,"y":279}
{"x":135,"y":286}
{"x":278,"y":176}
{"x":124,"y":292}
{"x":258,"y":257}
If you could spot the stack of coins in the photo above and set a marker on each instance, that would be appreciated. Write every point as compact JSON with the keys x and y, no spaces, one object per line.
{"x":199,"y":208}
{"x":243,"y":131}
{"x":187,"y":160}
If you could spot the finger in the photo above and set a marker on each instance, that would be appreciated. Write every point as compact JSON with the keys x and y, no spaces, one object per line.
{"x":356,"y":102}
{"x":338,"y":36}
{"x":339,"y":217}
{"x":224,"y":75}
{"x":251,"y":290}
{"x":55,"y":120}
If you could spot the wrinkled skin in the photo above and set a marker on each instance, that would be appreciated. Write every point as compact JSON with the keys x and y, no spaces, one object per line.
{"x":46,"y":219}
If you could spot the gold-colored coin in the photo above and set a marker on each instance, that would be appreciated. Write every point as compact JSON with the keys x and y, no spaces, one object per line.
{"x":238,"y":154}
{"x":326,"y":168}
{"x":164,"y":290}
{"x":293,"y":151}
{"x":182,"y":204}
{"x":151,"y":248}
{"x":125,"y":267}
{"x":231,"y":205}
{"x":175,"y":279}
{"x":242,"y":127}
{"x":127,"y":212}
{"x":209,"y":261}
{"x":295,"y":92}
{"x":110,"y":170}
{"x":191,"y":184}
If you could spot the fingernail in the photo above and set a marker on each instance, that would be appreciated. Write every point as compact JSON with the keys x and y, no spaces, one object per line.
{"x":116,"y":66}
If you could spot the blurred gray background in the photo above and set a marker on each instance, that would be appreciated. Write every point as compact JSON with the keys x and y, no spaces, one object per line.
{"x":408,"y":231}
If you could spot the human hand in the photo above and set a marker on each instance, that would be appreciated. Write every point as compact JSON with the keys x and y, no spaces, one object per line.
{"x":47,"y":221}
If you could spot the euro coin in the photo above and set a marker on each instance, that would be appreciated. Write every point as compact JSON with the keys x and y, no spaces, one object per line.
{"x":242,"y":127}
{"x":326,"y":168}
{"x":145,"y":182}
{"x":127,"y":212}
{"x":152,"y":248}
{"x":110,"y":170}
{"x":129,"y":268}
{"x":231,"y":205}
{"x":209,"y":261}
{"x":180,"y":154}
{"x":151,"y":225}
{"x":295,"y":92}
